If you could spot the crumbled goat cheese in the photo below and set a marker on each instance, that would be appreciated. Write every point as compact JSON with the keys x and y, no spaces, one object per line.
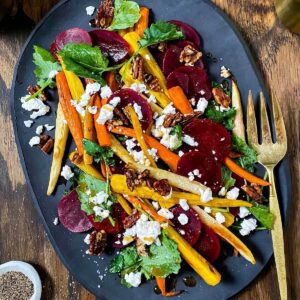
{"x":201,"y":105}
{"x":106,"y":114}
{"x":155,"y":115}
{"x":169,"y":140}
{"x":56,"y":221}
{"x":134,"y":279}
{"x":225,"y":73}
{"x":87,"y":239}
{"x":248,"y":225}
{"x":39,"y":129}
{"x":180,"y":153}
{"x":115,"y":101}
{"x":28,"y":123}
{"x":183,"y":203}
{"x":222,"y":192}
{"x":164,"y":212}
{"x":183,"y":219}
{"x":36,"y":105}
{"x":67,"y":172}
{"x":99,"y":198}
{"x":52,"y":74}
{"x":169,"y":109}
{"x":190,"y":140}
{"x":137,"y":108}
{"x":93,"y":109}
{"x":78,"y":106}
{"x":49,"y":127}
{"x":139,"y":88}
{"x":92,"y":88}
{"x":100,"y":212}
{"x":191,"y":176}
{"x":206,"y":195}
{"x":34,"y":141}
{"x":155,"y":205}
{"x":151,"y":99}
{"x":106,"y":92}
{"x":153,"y":153}
{"x":90,"y":10}
{"x":233,"y":193}
{"x":244,"y":212}
{"x":192,"y":101}
{"x":196,"y":172}
{"x":220,"y":218}
{"x":207,"y":209}
{"x":130,"y":144}
{"x":140,"y":158}
{"x":222,"y":108}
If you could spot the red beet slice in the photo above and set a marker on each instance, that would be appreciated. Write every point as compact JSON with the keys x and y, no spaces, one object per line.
{"x":171,"y":57}
{"x":129,"y":96}
{"x":71,"y":215}
{"x":189,"y":32}
{"x":209,"y":169}
{"x":73,"y":35}
{"x":118,"y":214}
{"x":212,"y":138}
{"x":193,"y":80}
{"x":111,"y":44}
{"x":192,"y":229}
{"x":209,"y":244}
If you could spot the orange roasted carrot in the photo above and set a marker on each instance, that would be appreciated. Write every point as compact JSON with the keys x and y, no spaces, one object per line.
{"x":180,"y":100}
{"x":238,"y":170}
{"x":161,"y":283}
{"x":143,"y":22}
{"x":69,"y":111}
{"x":101,"y":130}
{"x":110,"y":78}
{"x":170,"y":158}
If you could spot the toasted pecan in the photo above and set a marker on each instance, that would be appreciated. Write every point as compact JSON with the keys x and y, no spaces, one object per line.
{"x":221,"y":97}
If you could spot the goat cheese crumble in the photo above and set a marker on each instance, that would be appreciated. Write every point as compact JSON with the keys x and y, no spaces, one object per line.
{"x":184,"y":205}
{"x":100,"y":212}
{"x":107,"y":111}
{"x":34,"y":141}
{"x":183,"y":219}
{"x":207,"y":209}
{"x":56,"y":221}
{"x":139,"y":88}
{"x":106,"y":92}
{"x":99,"y":198}
{"x":201,"y":105}
{"x":134,"y":279}
{"x":93,"y":109}
{"x":67,"y":172}
{"x":39,"y":129}
{"x":244,"y":212}
{"x":190,"y":140}
{"x":233,"y":193}
{"x":35,"y":105}
{"x":220,"y":218}
{"x":49,"y":127}
{"x":87,"y":239}
{"x":164,"y":212}
{"x":206,"y":195}
{"x":90,"y":10}
{"x":138,"y":109}
{"x":222,"y":191}
{"x":28,"y":123}
{"x":248,"y":225}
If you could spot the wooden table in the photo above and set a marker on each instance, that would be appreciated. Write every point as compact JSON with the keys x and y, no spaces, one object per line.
{"x":22,"y":236}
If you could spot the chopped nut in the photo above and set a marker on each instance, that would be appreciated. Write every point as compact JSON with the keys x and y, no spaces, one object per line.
{"x":130,"y":220}
{"x":46,"y":143}
{"x":105,"y":14}
{"x":120,"y":114}
{"x":33,"y":89}
{"x":189,"y":55}
{"x":162,"y":187}
{"x":141,"y":248}
{"x":221,"y":97}
{"x":162,"y":46}
{"x":225,"y":73}
{"x":77,"y":158}
{"x":137,"y":69}
{"x":254,"y":192}
{"x":98,"y":242}
{"x":172,"y":119}
{"x":153,"y":82}
{"x":233,"y":154}
{"x":131,"y":176}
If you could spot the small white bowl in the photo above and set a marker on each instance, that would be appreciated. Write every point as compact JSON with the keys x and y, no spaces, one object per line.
{"x":29,"y":271}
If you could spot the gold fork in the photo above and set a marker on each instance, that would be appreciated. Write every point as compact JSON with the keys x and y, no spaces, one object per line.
{"x":269,"y":155}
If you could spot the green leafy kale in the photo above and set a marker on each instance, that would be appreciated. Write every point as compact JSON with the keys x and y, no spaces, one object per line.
{"x":177,"y":130}
{"x":45,"y":63}
{"x":126,"y":14}
{"x":227,"y":180}
{"x":160,"y":32}
{"x":263,"y":215}
{"x":99,"y":153}
{"x":249,"y":155}
{"x":226,"y":118}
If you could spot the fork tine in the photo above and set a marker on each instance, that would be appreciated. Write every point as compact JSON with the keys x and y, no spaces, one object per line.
{"x":265,"y":126}
{"x":251,"y":122}
{"x":278,"y":120}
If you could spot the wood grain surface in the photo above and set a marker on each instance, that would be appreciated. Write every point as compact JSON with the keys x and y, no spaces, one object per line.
{"x":22,"y":236}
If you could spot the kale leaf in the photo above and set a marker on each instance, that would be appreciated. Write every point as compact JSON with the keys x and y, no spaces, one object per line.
{"x":177,"y":130}
{"x":263,"y":215}
{"x":227,"y":180}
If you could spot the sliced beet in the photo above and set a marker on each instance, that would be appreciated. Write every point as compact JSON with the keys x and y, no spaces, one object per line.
{"x":111,"y":44}
{"x":192,"y":229}
{"x":171,"y":57}
{"x":193,"y":80}
{"x":209,"y":169}
{"x":73,"y":35}
{"x":71,"y":215}
{"x":212,"y":138}
{"x":118,"y":214}
{"x":129,"y":96}
{"x":189,"y":32}
{"x":209,"y":244}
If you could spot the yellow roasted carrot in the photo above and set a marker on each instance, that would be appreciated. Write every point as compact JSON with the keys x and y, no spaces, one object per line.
{"x":229,"y":218}
{"x":61,"y":136}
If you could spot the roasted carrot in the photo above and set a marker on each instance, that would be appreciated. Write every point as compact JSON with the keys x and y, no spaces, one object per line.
{"x":170,"y":158}
{"x":143,"y":22}
{"x":161,"y":283}
{"x":238,"y":170}
{"x":180,"y":100}
{"x":69,"y":111}
{"x":101,"y":130}
{"x":110,"y":78}
{"x":139,"y":134}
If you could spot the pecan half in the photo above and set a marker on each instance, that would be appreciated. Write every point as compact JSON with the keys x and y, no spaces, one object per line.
{"x":105,"y":14}
{"x":162,"y":46}
{"x":98,"y":242}
{"x":131,"y":177}
{"x":130,"y":220}
{"x":189,"y":55}
{"x":153,"y":82}
{"x":141,"y":248}
{"x":221,"y":97}
{"x":32,"y":89}
{"x":46,"y":143}
{"x":233,"y":154}
{"x":172,"y":119}
{"x":254,"y":192}
{"x":162,"y":187}
{"x":77,"y":158}
{"x":120,"y":114}
{"x":137,"y":69}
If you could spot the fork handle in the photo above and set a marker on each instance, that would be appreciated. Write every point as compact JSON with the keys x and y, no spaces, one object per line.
{"x":277,"y":237}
